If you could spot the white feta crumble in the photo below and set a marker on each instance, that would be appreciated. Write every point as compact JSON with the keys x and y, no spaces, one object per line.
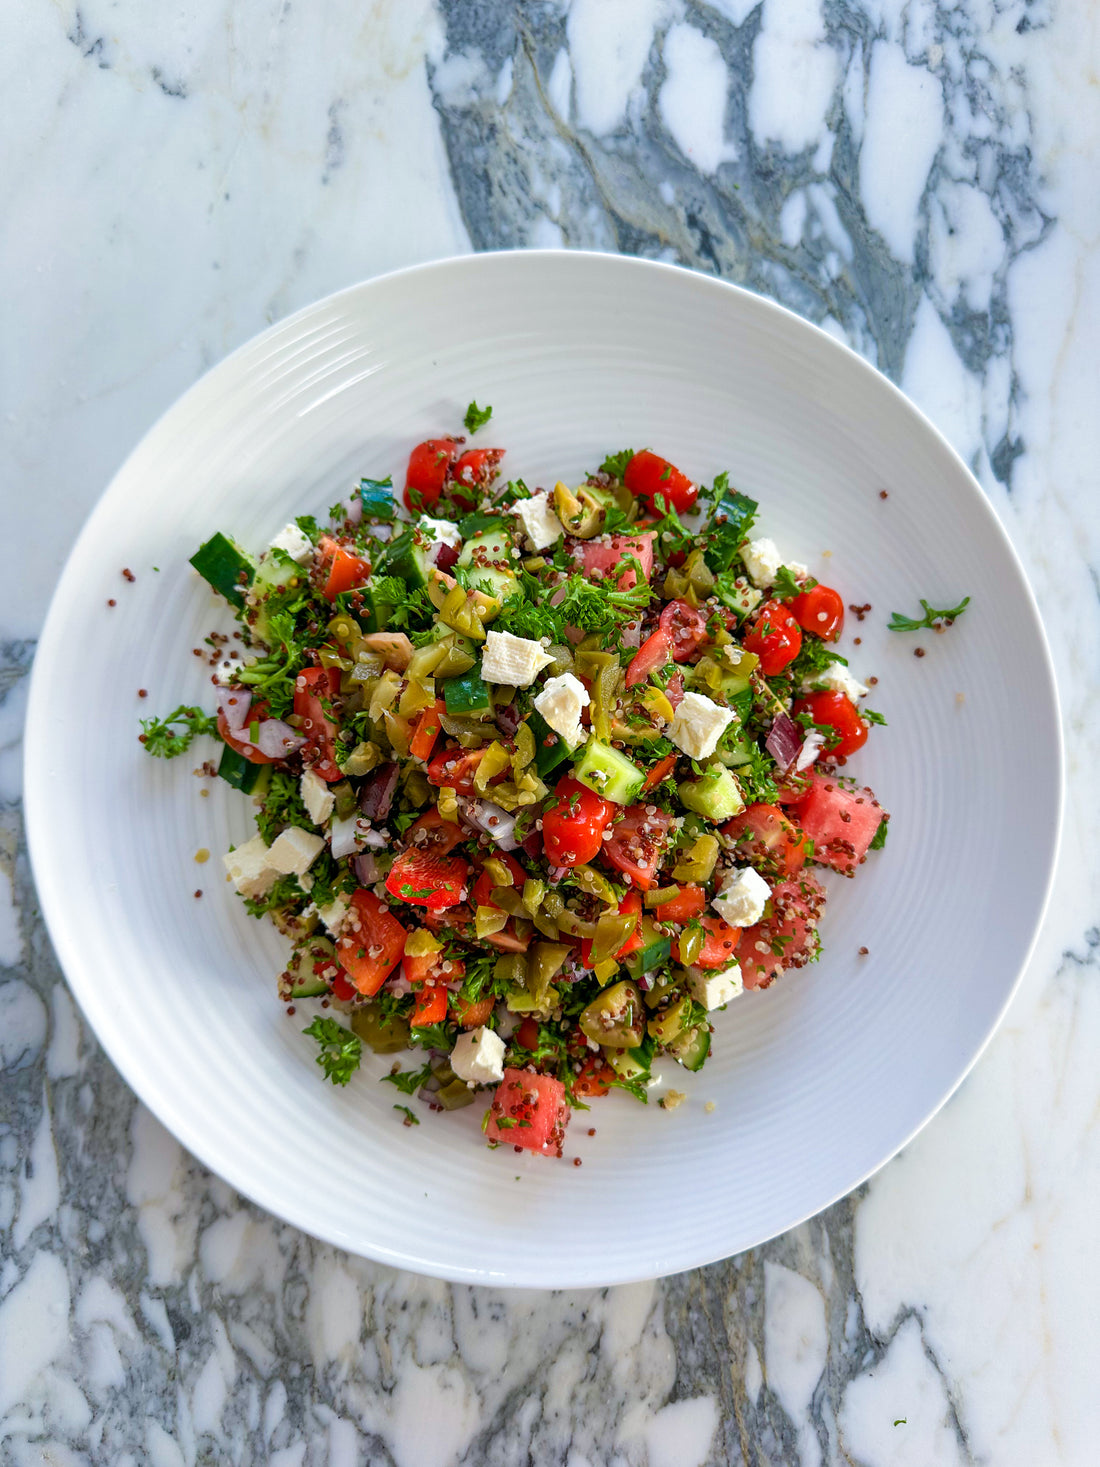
{"x":316,"y":797}
{"x":560,"y":703}
{"x":835,"y":679}
{"x":438,"y":533}
{"x":225,"y":674}
{"x":335,"y":914}
{"x":478,"y":1057}
{"x":798,"y":570}
{"x":249,"y":868}
{"x":762,"y":561}
{"x":540,"y":524}
{"x":712,"y":989}
{"x":294,"y":850}
{"x":698,"y":724}
{"x":295,"y":542}
{"x":514,"y":660}
{"x":741,"y":897}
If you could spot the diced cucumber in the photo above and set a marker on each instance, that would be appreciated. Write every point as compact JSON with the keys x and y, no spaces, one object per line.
{"x":632,"y":1064}
{"x":377,"y":497}
{"x":550,"y":748}
{"x":236,"y":770}
{"x":692,"y":1048}
{"x":715,"y":795}
{"x":408,"y":559}
{"x":222,"y":563}
{"x":466,"y":694}
{"x":609,"y":773}
{"x":521,"y":1002}
{"x":743,"y":598}
{"x":474,"y":524}
{"x":276,"y":573}
{"x":304,"y":981}
{"x":487,"y":558}
{"x":734,"y":515}
{"x":656,"y":949}
{"x":378,"y":609}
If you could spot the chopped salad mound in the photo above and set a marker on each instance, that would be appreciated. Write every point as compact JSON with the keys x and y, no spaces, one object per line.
{"x":541,"y":777}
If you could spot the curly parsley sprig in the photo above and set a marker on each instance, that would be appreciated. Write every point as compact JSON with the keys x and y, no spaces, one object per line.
{"x":164,"y":740}
{"x":341,"y":1050}
{"x":931,"y":621}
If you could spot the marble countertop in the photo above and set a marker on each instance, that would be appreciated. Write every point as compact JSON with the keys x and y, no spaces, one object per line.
{"x":921,"y":179}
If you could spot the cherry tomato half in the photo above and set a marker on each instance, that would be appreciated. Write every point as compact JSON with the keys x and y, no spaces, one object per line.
{"x":819,"y":610}
{"x":650,"y":656}
{"x":427,"y":880}
{"x":686,"y":625}
{"x":429,"y":465}
{"x":835,"y":711}
{"x":476,"y":468}
{"x":647,"y":475}
{"x":311,"y":687}
{"x":775,"y":638}
{"x":572,"y":830}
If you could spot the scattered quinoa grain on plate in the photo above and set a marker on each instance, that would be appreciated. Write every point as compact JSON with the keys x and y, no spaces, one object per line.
{"x":541,"y":774}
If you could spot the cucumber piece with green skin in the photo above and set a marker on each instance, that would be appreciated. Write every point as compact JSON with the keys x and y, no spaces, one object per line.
{"x":243,"y":775}
{"x":656,"y":949}
{"x":275,"y":574}
{"x":743,"y":599}
{"x":466,"y":693}
{"x":488,"y":561}
{"x":221,"y":562}
{"x":692,"y":1048}
{"x":304,"y":981}
{"x":550,"y":748}
{"x":377,"y":610}
{"x":608,"y":773}
{"x":715,"y":794}
{"x":408,"y":558}
{"x":632,"y":1064}
{"x":377,"y":498}
{"x":734,"y":515}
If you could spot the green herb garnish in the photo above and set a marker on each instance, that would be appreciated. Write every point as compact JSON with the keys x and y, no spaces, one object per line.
{"x":930,"y":621}
{"x":476,"y":417}
{"x":163,"y":741}
{"x":341,"y":1050}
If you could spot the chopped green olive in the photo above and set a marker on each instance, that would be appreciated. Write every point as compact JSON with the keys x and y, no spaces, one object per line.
{"x":616,"y":1017}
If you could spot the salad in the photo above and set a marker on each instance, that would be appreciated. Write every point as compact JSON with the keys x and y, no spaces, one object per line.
{"x":542,"y":777}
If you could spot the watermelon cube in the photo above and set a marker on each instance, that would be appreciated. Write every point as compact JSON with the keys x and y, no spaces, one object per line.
{"x":603,"y":554}
{"x":841,"y":822}
{"x":788,"y":937}
{"x":529,"y":1111}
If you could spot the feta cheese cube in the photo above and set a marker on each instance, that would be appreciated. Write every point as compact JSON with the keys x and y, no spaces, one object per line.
{"x":835,"y":679}
{"x":698,"y":725}
{"x":560,"y":703}
{"x":712,"y":989}
{"x":762,"y":561}
{"x":516,"y":661}
{"x":434,"y":534}
{"x":225,"y":674}
{"x":478,"y":1057}
{"x":741,"y":897}
{"x":249,"y":868}
{"x":295,"y":850}
{"x":335,"y":914}
{"x":295,"y":542}
{"x":540,"y":524}
{"x":316,"y":797}
{"x":798,"y":570}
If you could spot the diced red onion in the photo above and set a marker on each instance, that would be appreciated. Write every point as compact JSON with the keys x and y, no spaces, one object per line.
{"x":812,"y":746}
{"x":235,"y":705}
{"x":532,"y":845}
{"x":491,"y":820}
{"x":375,"y":840}
{"x":277,"y":739}
{"x":508,"y":720}
{"x":355,"y":509}
{"x":556,"y":874}
{"x":784,"y":741}
{"x":446,"y":556}
{"x":347,"y":835}
{"x":366,"y":869}
{"x":631,"y":635}
{"x":644,"y":982}
{"x":376,"y":796}
{"x":675,"y":689}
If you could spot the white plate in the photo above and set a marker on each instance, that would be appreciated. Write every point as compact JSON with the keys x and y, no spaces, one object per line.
{"x":817,"y":1081}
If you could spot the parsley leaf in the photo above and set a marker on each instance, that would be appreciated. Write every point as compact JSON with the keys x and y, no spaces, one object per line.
{"x":433,"y":1036}
{"x":615,"y":464}
{"x":929,"y":620}
{"x":341,"y":1050}
{"x":285,"y":893}
{"x":410,"y":1119}
{"x":281,"y":806}
{"x":160,"y":739}
{"x":476,"y":417}
{"x":880,"y":835}
{"x":524,"y":619}
{"x":871,"y":716}
{"x":786,"y":588}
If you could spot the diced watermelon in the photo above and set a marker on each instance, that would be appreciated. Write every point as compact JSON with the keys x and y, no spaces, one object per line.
{"x":603,"y":555}
{"x":529,"y":1111}
{"x":841,"y":822}
{"x":786,"y":939}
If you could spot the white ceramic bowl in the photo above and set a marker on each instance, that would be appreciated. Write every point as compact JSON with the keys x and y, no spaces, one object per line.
{"x":817,"y":1081}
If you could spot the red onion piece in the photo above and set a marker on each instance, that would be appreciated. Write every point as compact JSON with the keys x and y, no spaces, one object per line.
{"x":376,"y":796}
{"x":675,"y":689}
{"x":234,"y":703}
{"x":784,"y":741}
{"x":491,"y":820}
{"x":346,"y":836}
{"x":556,"y":873}
{"x":277,"y":739}
{"x":366,"y":869}
{"x":532,"y":845}
{"x":812,"y":745}
{"x":446,"y":556}
{"x":507,"y":719}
